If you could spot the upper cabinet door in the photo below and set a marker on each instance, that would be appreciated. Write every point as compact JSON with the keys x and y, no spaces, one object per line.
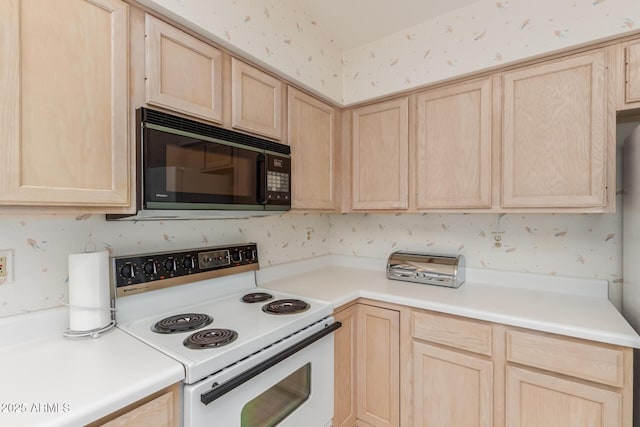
{"x":312,"y":138}
{"x":380,"y":155}
{"x":64,"y":133}
{"x":555,"y":133}
{"x":183,"y":73}
{"x":256,"y":100}
{"x":633,"y":72}
{"x":453,"y":167}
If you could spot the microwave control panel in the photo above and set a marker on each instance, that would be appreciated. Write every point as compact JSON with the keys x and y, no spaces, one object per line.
{"x":278,"y":180}
{"x":140,"y":273}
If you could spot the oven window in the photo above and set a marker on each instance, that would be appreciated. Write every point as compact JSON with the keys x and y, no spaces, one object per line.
{"x":275,"y":404}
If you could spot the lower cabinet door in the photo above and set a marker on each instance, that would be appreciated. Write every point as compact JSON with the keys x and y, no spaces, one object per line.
{"x":451,"y":388}
{"x":344,"y":404}
{"x":378,"y":376}
{"x":162,"y":409}
{"x":539,"y":400}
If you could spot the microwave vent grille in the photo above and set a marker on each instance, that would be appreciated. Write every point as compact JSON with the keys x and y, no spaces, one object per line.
{"x":180,"y":123}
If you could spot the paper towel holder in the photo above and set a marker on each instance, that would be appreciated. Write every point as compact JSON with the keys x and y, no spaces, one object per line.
{"x":93,"y":333}
{"x":89,"y":248}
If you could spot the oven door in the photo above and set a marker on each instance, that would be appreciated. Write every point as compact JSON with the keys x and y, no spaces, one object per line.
{"x":186,"y":172}
{"x":297,"y":391}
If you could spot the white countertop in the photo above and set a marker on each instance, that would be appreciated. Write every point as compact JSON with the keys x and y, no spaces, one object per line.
{"x":533,"y":306}
{"x":49,"y":380}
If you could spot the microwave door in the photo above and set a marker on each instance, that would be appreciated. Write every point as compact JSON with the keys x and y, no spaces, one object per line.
{"x":182,"y":170}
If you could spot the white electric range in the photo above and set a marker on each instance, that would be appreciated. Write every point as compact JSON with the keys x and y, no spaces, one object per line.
{"x":252,"y":357}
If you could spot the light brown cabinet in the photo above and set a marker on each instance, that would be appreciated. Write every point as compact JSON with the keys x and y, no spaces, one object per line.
{"x":535,"y":138}
{"x":345,"y":410}
{"x":312,"y":137}
{"x":64,"y":113}
{"x":452,"y":331}
{"x":555,"y":139}
{"x":453,"y":147}
{"x":576,"y":358}
{"x":632,"y":72}
{"x":378,"y":370}
{"x":182,"y":73}
{"x":566,"y":381}
{"x":538,"y":399}
{"x":474,"y":373}
{"x":257,"y":100}
{"x":380,"y":156}
{"x":453,"y":385}
{"x":367,"y":367}
{"x":458,"y":371}
{"x":162,"y":409}
{"x":451,"y":388}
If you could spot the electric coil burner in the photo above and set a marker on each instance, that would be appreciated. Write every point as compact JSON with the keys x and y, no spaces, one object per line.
{"x":256,"y":297}
{"x":285,"y":306}
{"x":182,"y":323}
{"x":210,"y":338}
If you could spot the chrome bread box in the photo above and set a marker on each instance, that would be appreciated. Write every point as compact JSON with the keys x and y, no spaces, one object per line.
{"x":428,"y":269}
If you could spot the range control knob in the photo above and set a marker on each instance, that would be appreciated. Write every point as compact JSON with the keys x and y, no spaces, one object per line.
{"x":150,"y":268}
{"x":189,"y":262}
{"x":236,"y":256}
{"x":170,"y":264}
{"x":250,"y":255}
{"x":128,"y":271}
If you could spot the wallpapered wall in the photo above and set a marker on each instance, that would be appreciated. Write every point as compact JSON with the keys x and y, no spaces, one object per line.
{"x":42,"y":245}
{"x":569,"y":245}
{"x":281,"y":35}
{"x":484,"y":34}
{"x":580,"y":245}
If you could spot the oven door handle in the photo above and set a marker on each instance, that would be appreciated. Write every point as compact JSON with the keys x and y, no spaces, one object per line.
{"x":219,"y":390}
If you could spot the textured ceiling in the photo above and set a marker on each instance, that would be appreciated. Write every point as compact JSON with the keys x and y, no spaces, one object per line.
{"x":352,"y":23}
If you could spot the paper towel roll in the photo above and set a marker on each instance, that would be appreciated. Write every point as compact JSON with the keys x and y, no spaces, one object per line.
{"x":89,"y":296}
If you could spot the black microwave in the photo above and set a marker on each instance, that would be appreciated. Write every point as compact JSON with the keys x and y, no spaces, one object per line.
{"x":189,"y":169}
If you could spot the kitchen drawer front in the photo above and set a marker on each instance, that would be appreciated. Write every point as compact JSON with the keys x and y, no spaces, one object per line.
{"x":584,"y":360}
{"x":452,"y":331}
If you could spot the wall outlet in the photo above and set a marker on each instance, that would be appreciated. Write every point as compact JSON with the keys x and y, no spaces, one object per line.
{"x":497,"y":239}
{"x":6,"y":266}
